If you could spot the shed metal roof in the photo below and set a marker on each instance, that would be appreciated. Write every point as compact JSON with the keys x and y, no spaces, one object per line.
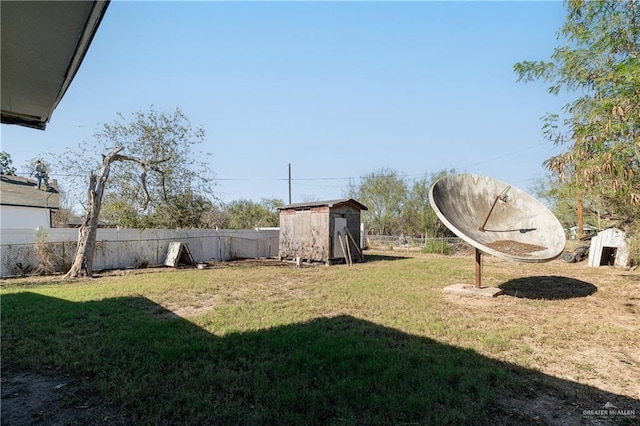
{"x":328,"y":203}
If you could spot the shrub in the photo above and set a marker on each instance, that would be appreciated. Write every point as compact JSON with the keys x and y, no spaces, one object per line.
{"x":437,"y":245}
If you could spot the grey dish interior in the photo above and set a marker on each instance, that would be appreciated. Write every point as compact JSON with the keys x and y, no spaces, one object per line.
{"x":497,"y":218}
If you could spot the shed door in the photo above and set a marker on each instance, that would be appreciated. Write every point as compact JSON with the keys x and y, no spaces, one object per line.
{"x":339,"y":232}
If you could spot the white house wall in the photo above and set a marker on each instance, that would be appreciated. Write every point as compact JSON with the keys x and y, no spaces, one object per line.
{"x":17,"y":217}
{"x":132,"y":248}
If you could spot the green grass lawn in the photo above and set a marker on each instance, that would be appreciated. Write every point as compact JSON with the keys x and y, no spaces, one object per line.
{"x":266,"y":343}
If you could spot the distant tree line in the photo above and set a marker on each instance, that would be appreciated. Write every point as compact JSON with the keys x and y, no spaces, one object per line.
{"x":396,"y":205}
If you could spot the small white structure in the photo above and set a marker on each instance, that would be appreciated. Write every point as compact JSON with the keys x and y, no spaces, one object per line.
{"x":609,"y":247}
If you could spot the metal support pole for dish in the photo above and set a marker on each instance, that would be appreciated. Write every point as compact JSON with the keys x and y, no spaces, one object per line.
{"x":478,"y":269}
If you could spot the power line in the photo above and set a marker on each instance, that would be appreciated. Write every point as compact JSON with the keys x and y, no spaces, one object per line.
{"x":343,"y":178}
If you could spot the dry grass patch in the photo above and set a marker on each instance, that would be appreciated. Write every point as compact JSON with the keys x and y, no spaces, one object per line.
{"x":566,"y":320}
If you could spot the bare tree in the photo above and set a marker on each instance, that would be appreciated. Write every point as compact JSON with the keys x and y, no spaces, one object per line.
{"x":83,"y":261}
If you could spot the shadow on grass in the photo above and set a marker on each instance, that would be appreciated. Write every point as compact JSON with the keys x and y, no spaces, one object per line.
{"x":338,"y":370}
{"x":382,"y":257}
{"x":548,"y":288}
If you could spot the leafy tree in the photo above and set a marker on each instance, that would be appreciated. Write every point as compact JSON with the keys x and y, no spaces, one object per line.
{"x":180,"y":210}
{"x":218,"y":217}
{"x":6,"y":164}
{"x":385,"y":193}
{"x":117,"y":211}
{"x":600,"y":62}
{"x":418,"y":215}
{"x":559,"y":196}
{"x":272,"y":204}
{"x":416,"y":208}
{"x":246,"y":214}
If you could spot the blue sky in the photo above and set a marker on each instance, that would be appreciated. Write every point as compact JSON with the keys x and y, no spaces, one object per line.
{"x":336,"y":89}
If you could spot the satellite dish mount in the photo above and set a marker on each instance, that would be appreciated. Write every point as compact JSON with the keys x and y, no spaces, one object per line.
{"x":497,"y":219}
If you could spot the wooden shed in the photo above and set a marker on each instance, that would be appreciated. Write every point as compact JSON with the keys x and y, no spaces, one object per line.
{"x":321,"y":231}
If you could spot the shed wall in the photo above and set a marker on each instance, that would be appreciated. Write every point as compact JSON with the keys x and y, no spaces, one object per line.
{"x":305,"y":233}
{"x":309,"y":233}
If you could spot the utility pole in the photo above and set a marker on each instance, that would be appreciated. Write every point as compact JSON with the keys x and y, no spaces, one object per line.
{"x":289,"y":183}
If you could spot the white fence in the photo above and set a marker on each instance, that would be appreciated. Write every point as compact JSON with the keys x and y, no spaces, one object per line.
{"x":52,"y":249}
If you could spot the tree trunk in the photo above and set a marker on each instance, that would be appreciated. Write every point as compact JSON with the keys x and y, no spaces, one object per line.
{"x":83,"y":261}
{"x":580,"y":217}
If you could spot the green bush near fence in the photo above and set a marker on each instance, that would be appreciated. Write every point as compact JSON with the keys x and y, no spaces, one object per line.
{"x":437,"y":245}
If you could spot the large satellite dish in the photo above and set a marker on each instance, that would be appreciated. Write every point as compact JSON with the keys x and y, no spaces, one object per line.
{"x":497,"y":218}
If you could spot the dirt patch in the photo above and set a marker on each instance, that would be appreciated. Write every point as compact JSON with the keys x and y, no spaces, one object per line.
{"x":188,"y":304}
{"x":557,"y":410}
{"x":50,"y":398}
